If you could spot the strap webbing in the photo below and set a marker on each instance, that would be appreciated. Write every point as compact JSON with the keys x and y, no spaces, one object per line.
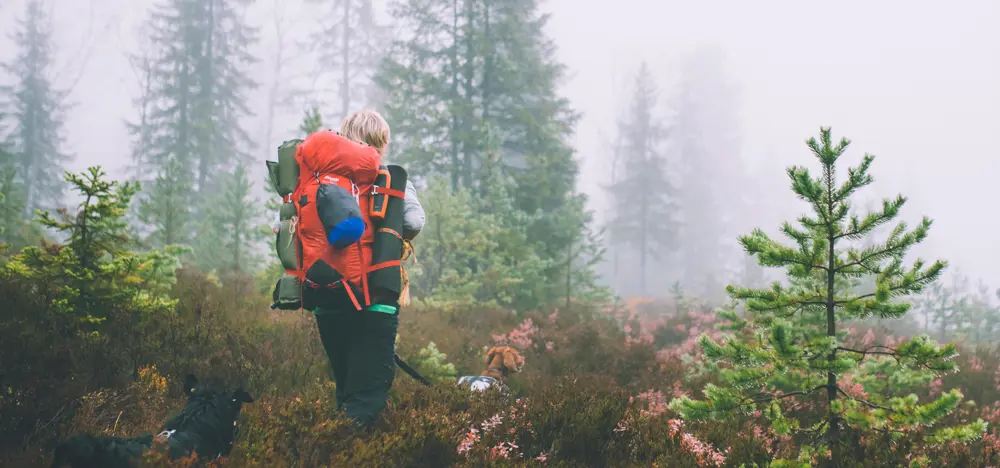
{"x":393,"y":232}
{"x":377,"y":190}
{"x":387,"y":264}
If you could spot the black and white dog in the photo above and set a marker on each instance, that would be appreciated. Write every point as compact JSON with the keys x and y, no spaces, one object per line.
{"x":206,"y":426}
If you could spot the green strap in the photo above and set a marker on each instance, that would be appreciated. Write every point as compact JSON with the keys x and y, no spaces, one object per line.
{"x":382,"y":308}
{"x":385,"y":309}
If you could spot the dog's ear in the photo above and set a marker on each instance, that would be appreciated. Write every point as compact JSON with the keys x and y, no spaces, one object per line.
{"x":242,"y":396}
{"x":190,"y":384}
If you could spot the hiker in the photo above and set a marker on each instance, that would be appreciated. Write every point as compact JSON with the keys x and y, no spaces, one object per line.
{"x":360,"y":344}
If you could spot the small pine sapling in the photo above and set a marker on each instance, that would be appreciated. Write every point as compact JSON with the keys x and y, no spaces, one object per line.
{"x":790,"y":351}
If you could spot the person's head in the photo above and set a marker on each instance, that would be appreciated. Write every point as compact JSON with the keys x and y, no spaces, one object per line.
{"x":368,"y":127}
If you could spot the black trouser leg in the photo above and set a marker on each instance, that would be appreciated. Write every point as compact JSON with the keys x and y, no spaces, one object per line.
{"x":371,"y":366}
{"x":335,"y":327}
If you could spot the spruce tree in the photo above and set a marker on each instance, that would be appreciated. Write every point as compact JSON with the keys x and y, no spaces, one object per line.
{"x":141,"y":132}
{"x":97,"y":228}
{"x":644,"y":208}
{"x":36,"y":109}
{"x":977,"y":316}
{"x":167,"y":207}
{"x":198,"y":87}
{"x":350,"y":45}
{"x":11,"y":204}
{"x":11,"y":210}
{"x":95,"y":273}
{"x":487,"y":77}
{"x":233,"y":238}
{"x":791,"y":346}
{"x":189,"y":132}
{"x":942,"y":305}
{"x":312,"y":122}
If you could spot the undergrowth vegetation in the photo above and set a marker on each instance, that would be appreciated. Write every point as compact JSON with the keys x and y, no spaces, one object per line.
{"x":97,"y":336}
{"x":594,"y":392}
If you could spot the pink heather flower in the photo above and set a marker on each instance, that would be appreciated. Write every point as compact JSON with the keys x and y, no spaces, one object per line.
{"x":470,"y":439}
{"x":855,"y":390}
{"x":869,"y":338}
{"x":495,"y":421}
{"x":656,"y":402}
{"x":703,"y":451}
{"x":549,"y":346}
{"x":504,"y":450}
{"x":679,"y":390}
{"x":542,"y":457}
{"x":675,"y":426}
{"x":520,"y":337}
{"x":553,"y":316}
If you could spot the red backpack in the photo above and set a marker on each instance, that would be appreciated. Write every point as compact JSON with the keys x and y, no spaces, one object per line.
{"x":323,"y":158}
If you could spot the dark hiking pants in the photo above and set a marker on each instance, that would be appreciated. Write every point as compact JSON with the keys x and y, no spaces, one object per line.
{"x":360,"y":346}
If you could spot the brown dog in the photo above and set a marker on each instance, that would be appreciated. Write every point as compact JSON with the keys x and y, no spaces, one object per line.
{"x":501,"y":362}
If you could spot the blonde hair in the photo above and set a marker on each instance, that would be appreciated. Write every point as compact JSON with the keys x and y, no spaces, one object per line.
{"x":368,"y":127}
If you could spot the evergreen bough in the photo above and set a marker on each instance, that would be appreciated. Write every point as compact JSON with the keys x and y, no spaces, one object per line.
{"x":790,"y":347}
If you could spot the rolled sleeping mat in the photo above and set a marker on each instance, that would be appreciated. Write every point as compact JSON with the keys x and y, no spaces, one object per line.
{"x":272,"y":174}
{"x":288,"y":169}
{"x":287,"y":211}
{"x":286,"y":243}
{"x":386,"y":283}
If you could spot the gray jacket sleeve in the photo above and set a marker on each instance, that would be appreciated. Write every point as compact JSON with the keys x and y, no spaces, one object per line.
{"x":413,"y":212}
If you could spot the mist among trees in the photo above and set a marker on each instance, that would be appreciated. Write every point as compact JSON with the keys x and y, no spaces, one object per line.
{"x":661,"y":321}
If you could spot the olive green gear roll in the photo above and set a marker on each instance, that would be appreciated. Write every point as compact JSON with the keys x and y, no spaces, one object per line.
{"x":288,"y":169}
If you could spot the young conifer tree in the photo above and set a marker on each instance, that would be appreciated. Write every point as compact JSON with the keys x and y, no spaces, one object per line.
{"x":790,"y":349}
{"x":312,"y":122}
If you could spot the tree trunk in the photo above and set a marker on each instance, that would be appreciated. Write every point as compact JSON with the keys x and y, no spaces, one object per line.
{"x":345,"y":85}
{"x":454,"y":98}
{"x":833,"y":420}
{"x":272,"y":98}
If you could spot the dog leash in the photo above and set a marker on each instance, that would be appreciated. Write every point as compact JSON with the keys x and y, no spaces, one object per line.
{"x":409,"y":370}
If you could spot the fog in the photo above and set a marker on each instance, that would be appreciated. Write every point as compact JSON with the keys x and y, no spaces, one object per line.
{"x":917,"y":84}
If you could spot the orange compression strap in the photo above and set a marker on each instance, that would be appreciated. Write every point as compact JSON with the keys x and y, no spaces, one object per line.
{"x":379,"y":266}
{"x":376,"y":190}
{"x":350,"y":293}
{"x":393,"y":232}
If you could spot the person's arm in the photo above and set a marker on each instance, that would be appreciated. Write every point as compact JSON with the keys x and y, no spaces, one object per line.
{"x":413,"y":213}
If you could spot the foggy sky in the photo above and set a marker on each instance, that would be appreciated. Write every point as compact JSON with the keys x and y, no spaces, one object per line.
{"x":915,"y":83}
